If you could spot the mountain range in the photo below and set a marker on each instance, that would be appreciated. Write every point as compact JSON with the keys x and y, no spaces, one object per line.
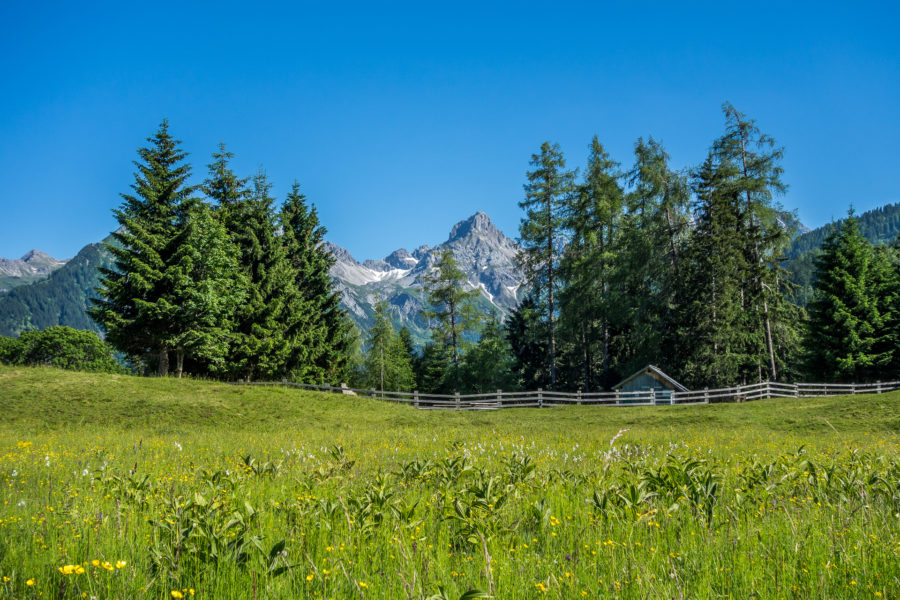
{"x":34,"y":266}
{"x":38,"y":291}
{"x":484,"y":254}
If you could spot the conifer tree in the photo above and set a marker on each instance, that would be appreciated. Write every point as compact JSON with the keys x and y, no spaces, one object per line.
{"x":752,"y":162}
{"x":526,"y":332}
{"x":137,"y":308}
{"x":264,"y":332}
{"x":387,"y":365}
{"x":593,"y":217}
{"x":649,"y":259}
{"x":846,"y":337}
{"x":322,"y":346}
{"x":489,"y":364}
{"x":451,"y":307}
{"x":542,"y":235}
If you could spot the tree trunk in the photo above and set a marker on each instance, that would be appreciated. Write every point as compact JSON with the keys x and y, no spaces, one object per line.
{"x":163,"y":369}
{"x":179,"y":362}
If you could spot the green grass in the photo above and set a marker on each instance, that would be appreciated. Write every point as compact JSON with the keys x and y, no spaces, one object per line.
{"x":778,"y":498}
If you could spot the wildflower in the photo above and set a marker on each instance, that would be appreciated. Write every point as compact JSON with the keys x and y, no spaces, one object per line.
{"x":67,"y":569}
{"x":120,"y":564}
{"x":95,"y":562}
{"x":79,"y":570}
{"x":362,"y":584}
{"x":309,"y":577}
{"x":30,"y":582}
{"x":177,"y":594}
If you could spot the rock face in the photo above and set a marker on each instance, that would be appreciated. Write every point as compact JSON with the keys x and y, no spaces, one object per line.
{"x":483,"y":252}
{"x":33,"y":266}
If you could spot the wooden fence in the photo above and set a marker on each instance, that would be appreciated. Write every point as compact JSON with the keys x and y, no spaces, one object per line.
{"x":543,"y":398}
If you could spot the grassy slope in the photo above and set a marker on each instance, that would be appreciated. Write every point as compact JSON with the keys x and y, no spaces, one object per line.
{"x":52,"y":399}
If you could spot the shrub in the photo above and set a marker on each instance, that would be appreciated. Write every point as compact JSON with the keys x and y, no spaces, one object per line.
{"x":61,"y":347}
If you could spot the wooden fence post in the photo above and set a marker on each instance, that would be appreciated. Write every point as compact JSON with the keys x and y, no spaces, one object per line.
{"x":705,"y":395}
{"x":796,"y":391}
{"x":652,"y":395}
{"x":540,"y":397}
{"x":416,"y":398}
{"x":578,"y":397}
{"x":853,"y":388}
{"x":457,"y":399}
{"x":618,"y":400}
{"x":499,"y":398}
{"x":879,"y":386}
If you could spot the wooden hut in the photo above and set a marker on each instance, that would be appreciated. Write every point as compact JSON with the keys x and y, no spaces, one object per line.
{"x":650,"y":378}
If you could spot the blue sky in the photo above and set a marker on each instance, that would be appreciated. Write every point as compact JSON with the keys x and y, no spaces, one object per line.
{"x":401,"y":119}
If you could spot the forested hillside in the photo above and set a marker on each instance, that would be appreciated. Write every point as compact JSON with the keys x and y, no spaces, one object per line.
{"x":878,"y":226}
{"x":58,"y":300}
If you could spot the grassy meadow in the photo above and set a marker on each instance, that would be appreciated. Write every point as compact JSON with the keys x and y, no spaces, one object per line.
{"x":122,"y":487}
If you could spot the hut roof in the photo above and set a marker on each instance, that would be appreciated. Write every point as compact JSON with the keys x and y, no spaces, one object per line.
{"x":654,"y":372}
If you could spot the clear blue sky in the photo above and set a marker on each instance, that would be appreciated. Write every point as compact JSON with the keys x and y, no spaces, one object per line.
{"x":400,"y":120}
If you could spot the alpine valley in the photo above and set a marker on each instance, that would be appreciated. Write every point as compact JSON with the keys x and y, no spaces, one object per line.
{"x":483,"y":252}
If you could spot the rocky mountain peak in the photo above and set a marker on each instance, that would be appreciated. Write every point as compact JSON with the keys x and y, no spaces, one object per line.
{"x":477,"y":224}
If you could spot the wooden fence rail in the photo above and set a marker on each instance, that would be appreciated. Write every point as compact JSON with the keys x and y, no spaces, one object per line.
{"x":545,"y":398}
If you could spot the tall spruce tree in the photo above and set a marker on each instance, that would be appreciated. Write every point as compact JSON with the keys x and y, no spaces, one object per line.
{"x":451,"y":311}
{"x":264,"y":336}
{"x":137,"y":306}
{"x":710,"y":351}
{"x":542,"y":235}
{"x":847,"y":339}
{"x":322,"y":342}
{"x":206,"y":285}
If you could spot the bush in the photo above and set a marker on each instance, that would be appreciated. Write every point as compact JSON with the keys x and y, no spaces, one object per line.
{"x":10,"y":350}
{"x":61,"y":347}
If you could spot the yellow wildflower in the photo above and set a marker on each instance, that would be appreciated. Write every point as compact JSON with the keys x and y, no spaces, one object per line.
{"x":177,"y":594}
{"x":30,"y":582}
{"x":120,"y":564}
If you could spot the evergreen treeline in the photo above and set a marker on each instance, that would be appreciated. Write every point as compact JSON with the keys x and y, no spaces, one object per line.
{"x":222,"y":285}
{"x":879,"y":226}
{"x":637,"y":265}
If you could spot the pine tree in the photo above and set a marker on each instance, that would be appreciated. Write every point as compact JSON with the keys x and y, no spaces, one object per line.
{"x":451,"y":307}
{"x":264,"y":332}
{"x":846,"y":331}
{"x":587,"y":266}
{"x":542,"y":235}
{"x":137,"y":306}
{"x":322,"y":350}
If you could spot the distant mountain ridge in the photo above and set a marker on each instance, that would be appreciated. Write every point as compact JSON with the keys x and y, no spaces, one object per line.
{"x":483,"y":252}
{"x":33,"y":266}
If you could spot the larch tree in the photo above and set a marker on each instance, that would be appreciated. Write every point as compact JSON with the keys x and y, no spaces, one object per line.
{"x":542,"y":235}
{"x":593,"y":217}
